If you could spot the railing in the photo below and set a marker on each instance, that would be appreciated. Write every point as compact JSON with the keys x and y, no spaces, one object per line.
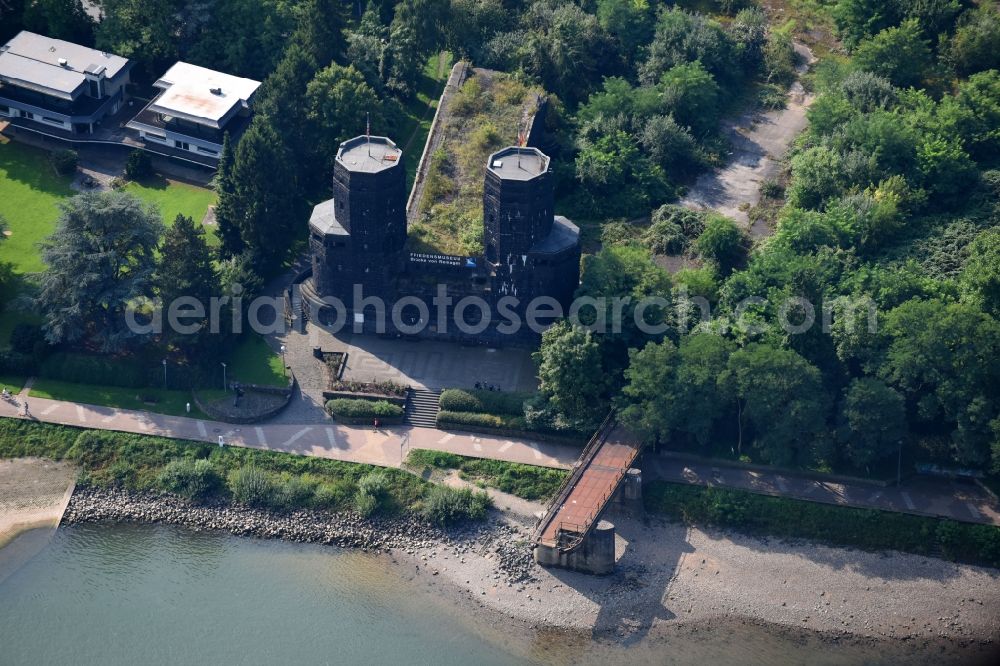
{"x":589,"y":451}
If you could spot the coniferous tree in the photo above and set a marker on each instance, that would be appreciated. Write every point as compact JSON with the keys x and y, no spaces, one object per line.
{"x":228,"y":208}
{"x":184,"y":270}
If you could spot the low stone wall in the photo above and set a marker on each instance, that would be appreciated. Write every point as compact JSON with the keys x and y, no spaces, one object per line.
{"x":503,"y":432}
{"x":285,"y":393}
{"x":371,"y":397}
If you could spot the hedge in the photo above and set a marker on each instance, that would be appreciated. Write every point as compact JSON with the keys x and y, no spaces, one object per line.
{"x":86,"y":369}
{"x":868,"y":529}
{"x":482,"y":420}
{"x":363,"y":409}
{"x":489,"y":402}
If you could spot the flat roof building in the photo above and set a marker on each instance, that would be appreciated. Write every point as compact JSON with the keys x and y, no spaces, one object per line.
{"x":196,"y":108}
{"x":60,"y":84}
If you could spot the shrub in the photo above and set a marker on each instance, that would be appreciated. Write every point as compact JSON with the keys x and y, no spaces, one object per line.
{"x":139,"y":165}
{"x":484,"y":401}
{"x":93,"y":448}
{"x":445,"y":506}
{"x":332,"y":495}
{"x":359,"y":409}
{"x":89,"y":369}
{"x":15,"y":363}
{"x":295,"y":492}
{"x":64,"y":161}
{"x":194,"y":479}
{"x":470,"y":419}
{"x":372,"y":493}
{"x":439,"y":459}
{"x":251,"y":486}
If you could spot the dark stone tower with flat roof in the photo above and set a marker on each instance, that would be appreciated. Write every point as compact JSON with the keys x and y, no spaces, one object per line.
{"x":359,"y":235}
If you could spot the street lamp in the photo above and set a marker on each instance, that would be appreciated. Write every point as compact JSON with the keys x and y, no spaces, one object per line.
{"x":283,"y":366}
{"x":224,"y":376}
{"x":164,"y":374}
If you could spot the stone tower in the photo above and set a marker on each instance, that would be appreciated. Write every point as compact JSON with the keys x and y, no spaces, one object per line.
{"x":518,"y":204}
{"x":358,"y":236}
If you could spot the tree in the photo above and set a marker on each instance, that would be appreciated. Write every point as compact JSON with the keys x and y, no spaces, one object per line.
{"x":571,"y":375}
{"x":616,"y":178}
{"x":724,"y":243}
{"x":671,"y":392}
{"x":184,"y":270}
{"x":671,"y":146}
{"x":144,"y":30}
{"x":568,"y":51}
{"x":871,"y":421}
{"x":943,"y":358}
{"x":11,"y":18}
{"x":320,"y":31}
{"x":781,"y":396}
{"x":629,"y":22}
{"x":227,"y":221}
{"x":975,"y":46}
{"x":859,"y":19}
{"x":981,"y":274}
{"x":59,"y":19}
{"x":692,"y":95}
{"x":749,"y":31}
{"x":339,"y":99}
{"x":244,"y":37}
{"x":6,"y":271}
{"x":681,"y":38}
{"x":100,"y":258}
{"x":900,"y":55}
{"x":267,"y":210}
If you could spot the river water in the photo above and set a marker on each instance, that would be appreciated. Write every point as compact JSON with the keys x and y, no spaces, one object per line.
{"x":163,"y":595}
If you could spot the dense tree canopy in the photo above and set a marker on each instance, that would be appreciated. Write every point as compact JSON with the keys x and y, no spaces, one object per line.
{"x":100,"y":259}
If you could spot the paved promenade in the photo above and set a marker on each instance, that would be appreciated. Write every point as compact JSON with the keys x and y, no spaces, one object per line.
{"x":387,"y":447}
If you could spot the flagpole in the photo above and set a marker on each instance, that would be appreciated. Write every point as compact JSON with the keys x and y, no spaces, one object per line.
{"x":368,"y":132}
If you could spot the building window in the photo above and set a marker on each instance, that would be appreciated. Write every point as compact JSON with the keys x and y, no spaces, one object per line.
{"x":208,"y":151}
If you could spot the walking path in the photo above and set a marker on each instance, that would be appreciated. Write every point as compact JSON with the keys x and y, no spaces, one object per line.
{"x":926,"y":496}
{"x":760,"y":141}
{"x":389,"y":446}
{"x":386,"y":447}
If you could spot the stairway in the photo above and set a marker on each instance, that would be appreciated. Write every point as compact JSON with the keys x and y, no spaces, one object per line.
{"x":422,"y":408}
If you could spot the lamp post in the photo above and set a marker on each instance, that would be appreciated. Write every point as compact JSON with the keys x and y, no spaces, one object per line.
{"x":224,"y":385}
{"x":284,"y":370}
{"x":164,"y":374}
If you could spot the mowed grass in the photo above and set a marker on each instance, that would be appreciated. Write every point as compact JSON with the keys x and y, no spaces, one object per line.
{"x":253,"y":362}
{"x":174,"y":198}
{"x":31,"y":191}
{"x":158,"y":401}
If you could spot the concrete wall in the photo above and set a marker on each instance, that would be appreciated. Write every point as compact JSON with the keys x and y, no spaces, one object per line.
{"x":596,"y":555}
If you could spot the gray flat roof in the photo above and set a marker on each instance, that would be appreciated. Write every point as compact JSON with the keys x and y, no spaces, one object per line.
{"x":369,"y":154}
{"x":564,"y":235}
{"x":33,"y":60}
{"x":518,"y":163}
{"x":324,"y":219}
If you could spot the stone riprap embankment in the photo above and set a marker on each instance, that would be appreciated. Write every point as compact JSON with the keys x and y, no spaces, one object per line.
{"x":346,"y":530}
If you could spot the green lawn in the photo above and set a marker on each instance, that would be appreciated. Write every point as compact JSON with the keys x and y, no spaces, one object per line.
{"x":13,"y":384}
{"x":30,"y":192}
{"x":253,"y":362}
{"x":173,"y":198}
{"x":160,"y":401}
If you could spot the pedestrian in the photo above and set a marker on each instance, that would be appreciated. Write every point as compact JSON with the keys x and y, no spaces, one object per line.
{"x":222,"y":442}
{"x":26,"y":412}
{"x":187,"y":407}
{"x":376,"y":425}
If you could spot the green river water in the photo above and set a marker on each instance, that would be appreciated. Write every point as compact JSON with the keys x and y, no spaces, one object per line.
{"x":154,"y":595}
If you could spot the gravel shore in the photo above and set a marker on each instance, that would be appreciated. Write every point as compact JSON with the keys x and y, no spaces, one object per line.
{"x":667,"y":574}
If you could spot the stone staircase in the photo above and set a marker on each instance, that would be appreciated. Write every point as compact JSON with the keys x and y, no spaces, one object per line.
{"x":422,"y":408}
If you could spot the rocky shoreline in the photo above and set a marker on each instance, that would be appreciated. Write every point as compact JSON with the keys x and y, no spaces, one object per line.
{"x":408,"y":534}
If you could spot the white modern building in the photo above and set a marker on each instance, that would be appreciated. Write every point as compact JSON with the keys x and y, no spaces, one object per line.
{"x":59,"y":85}
{"x":194,"y":111}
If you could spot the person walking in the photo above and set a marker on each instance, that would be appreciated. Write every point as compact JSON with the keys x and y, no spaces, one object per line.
{"x":26,"y":412}
{"x":376,"y":425}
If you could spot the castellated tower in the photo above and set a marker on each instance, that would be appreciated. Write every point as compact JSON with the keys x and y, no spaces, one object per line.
{"x":358,"y":236}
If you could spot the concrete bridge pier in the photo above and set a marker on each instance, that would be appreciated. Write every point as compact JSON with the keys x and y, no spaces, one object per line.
{"x":628,"y":497}
{"x":595,"y":555}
